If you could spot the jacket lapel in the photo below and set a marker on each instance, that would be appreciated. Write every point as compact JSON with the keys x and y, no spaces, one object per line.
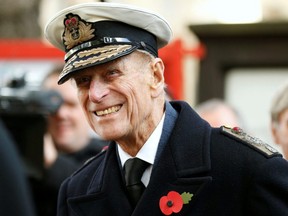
{"x":106,"y":193}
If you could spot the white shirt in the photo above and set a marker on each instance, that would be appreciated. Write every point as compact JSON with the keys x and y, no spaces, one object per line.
{"x":147,"y":152}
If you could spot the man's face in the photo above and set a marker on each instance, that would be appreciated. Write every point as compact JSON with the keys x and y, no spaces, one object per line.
{"x":68,"y":126}
{"x":280,"y":131}
{"x":118,"y":97}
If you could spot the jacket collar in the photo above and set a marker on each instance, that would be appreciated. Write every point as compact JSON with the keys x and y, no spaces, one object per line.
{"x":190,"y":128}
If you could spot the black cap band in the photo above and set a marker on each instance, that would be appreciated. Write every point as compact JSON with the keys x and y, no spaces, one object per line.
{"x":107,"y":41}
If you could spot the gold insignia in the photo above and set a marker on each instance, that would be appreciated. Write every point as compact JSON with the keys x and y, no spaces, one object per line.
{"x":100,"y":54}
{"x":252,"y":141}
{"x":104,"y":51}
{"x":76,"y":31}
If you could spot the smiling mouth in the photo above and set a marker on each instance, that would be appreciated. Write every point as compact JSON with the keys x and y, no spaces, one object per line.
{"x":108,"y":111}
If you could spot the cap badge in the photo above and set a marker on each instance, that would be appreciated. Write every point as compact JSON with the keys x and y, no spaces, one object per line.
{"x":76,"y":31}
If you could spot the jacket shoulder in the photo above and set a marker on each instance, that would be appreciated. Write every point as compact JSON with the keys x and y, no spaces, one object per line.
{"x":253,"y":142}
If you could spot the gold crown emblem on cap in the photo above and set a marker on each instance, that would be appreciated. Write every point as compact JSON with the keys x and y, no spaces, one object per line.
{"x":76,"y":31}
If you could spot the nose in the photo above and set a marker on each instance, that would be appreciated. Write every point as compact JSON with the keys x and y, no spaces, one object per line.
{"x":62,"y":112}
{"x":98,"y":90}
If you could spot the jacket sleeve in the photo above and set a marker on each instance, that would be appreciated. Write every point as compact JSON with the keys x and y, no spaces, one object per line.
{"x":62,"y":206}
{"x":268,"y":191}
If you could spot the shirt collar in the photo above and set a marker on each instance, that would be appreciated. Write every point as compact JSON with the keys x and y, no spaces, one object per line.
{"x":149,"y":149}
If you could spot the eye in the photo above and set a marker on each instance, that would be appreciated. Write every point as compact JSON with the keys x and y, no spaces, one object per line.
{"x":111,"y":75}
{"x":82,"y":81}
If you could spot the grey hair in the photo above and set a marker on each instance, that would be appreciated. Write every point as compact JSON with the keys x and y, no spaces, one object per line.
{"x":279,"y":102}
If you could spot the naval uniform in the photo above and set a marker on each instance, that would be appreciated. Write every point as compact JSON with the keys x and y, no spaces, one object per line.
{"x":224,"y":172}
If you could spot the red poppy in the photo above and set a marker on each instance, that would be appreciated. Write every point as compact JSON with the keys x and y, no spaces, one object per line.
{"x":173,"y":202}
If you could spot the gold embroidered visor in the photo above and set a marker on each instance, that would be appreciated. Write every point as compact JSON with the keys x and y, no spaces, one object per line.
{"x":92,"y":57}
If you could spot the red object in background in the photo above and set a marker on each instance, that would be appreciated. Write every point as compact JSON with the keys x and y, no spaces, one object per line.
{"x":28,"y":49}
{"x":172,"y":56}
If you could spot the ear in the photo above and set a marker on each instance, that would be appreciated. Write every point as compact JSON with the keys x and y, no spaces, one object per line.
{"x":274,"y":132}
{"x":157,"y":81}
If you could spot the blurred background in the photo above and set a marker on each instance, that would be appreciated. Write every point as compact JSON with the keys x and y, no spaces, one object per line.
{"x":236,"y":50}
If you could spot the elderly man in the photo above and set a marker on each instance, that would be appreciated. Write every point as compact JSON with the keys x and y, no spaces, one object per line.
{"x":164,"y":159}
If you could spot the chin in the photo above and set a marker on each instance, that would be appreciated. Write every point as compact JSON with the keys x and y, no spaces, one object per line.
{"x":110,"y":135}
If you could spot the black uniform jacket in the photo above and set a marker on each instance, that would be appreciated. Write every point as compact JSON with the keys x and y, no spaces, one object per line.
{"x":223,"y":175}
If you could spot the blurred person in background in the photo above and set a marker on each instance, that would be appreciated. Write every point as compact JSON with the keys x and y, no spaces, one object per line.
{"x":219,"y":113}
{"x":279,"y":119}
{"x":67,"y":145}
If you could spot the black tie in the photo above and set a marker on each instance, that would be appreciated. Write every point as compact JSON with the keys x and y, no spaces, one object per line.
{"x":134,"y":168}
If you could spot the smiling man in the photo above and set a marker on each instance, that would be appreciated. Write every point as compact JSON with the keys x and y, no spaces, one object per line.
{"x":124,"y":102}
{"x":163,"y":158}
